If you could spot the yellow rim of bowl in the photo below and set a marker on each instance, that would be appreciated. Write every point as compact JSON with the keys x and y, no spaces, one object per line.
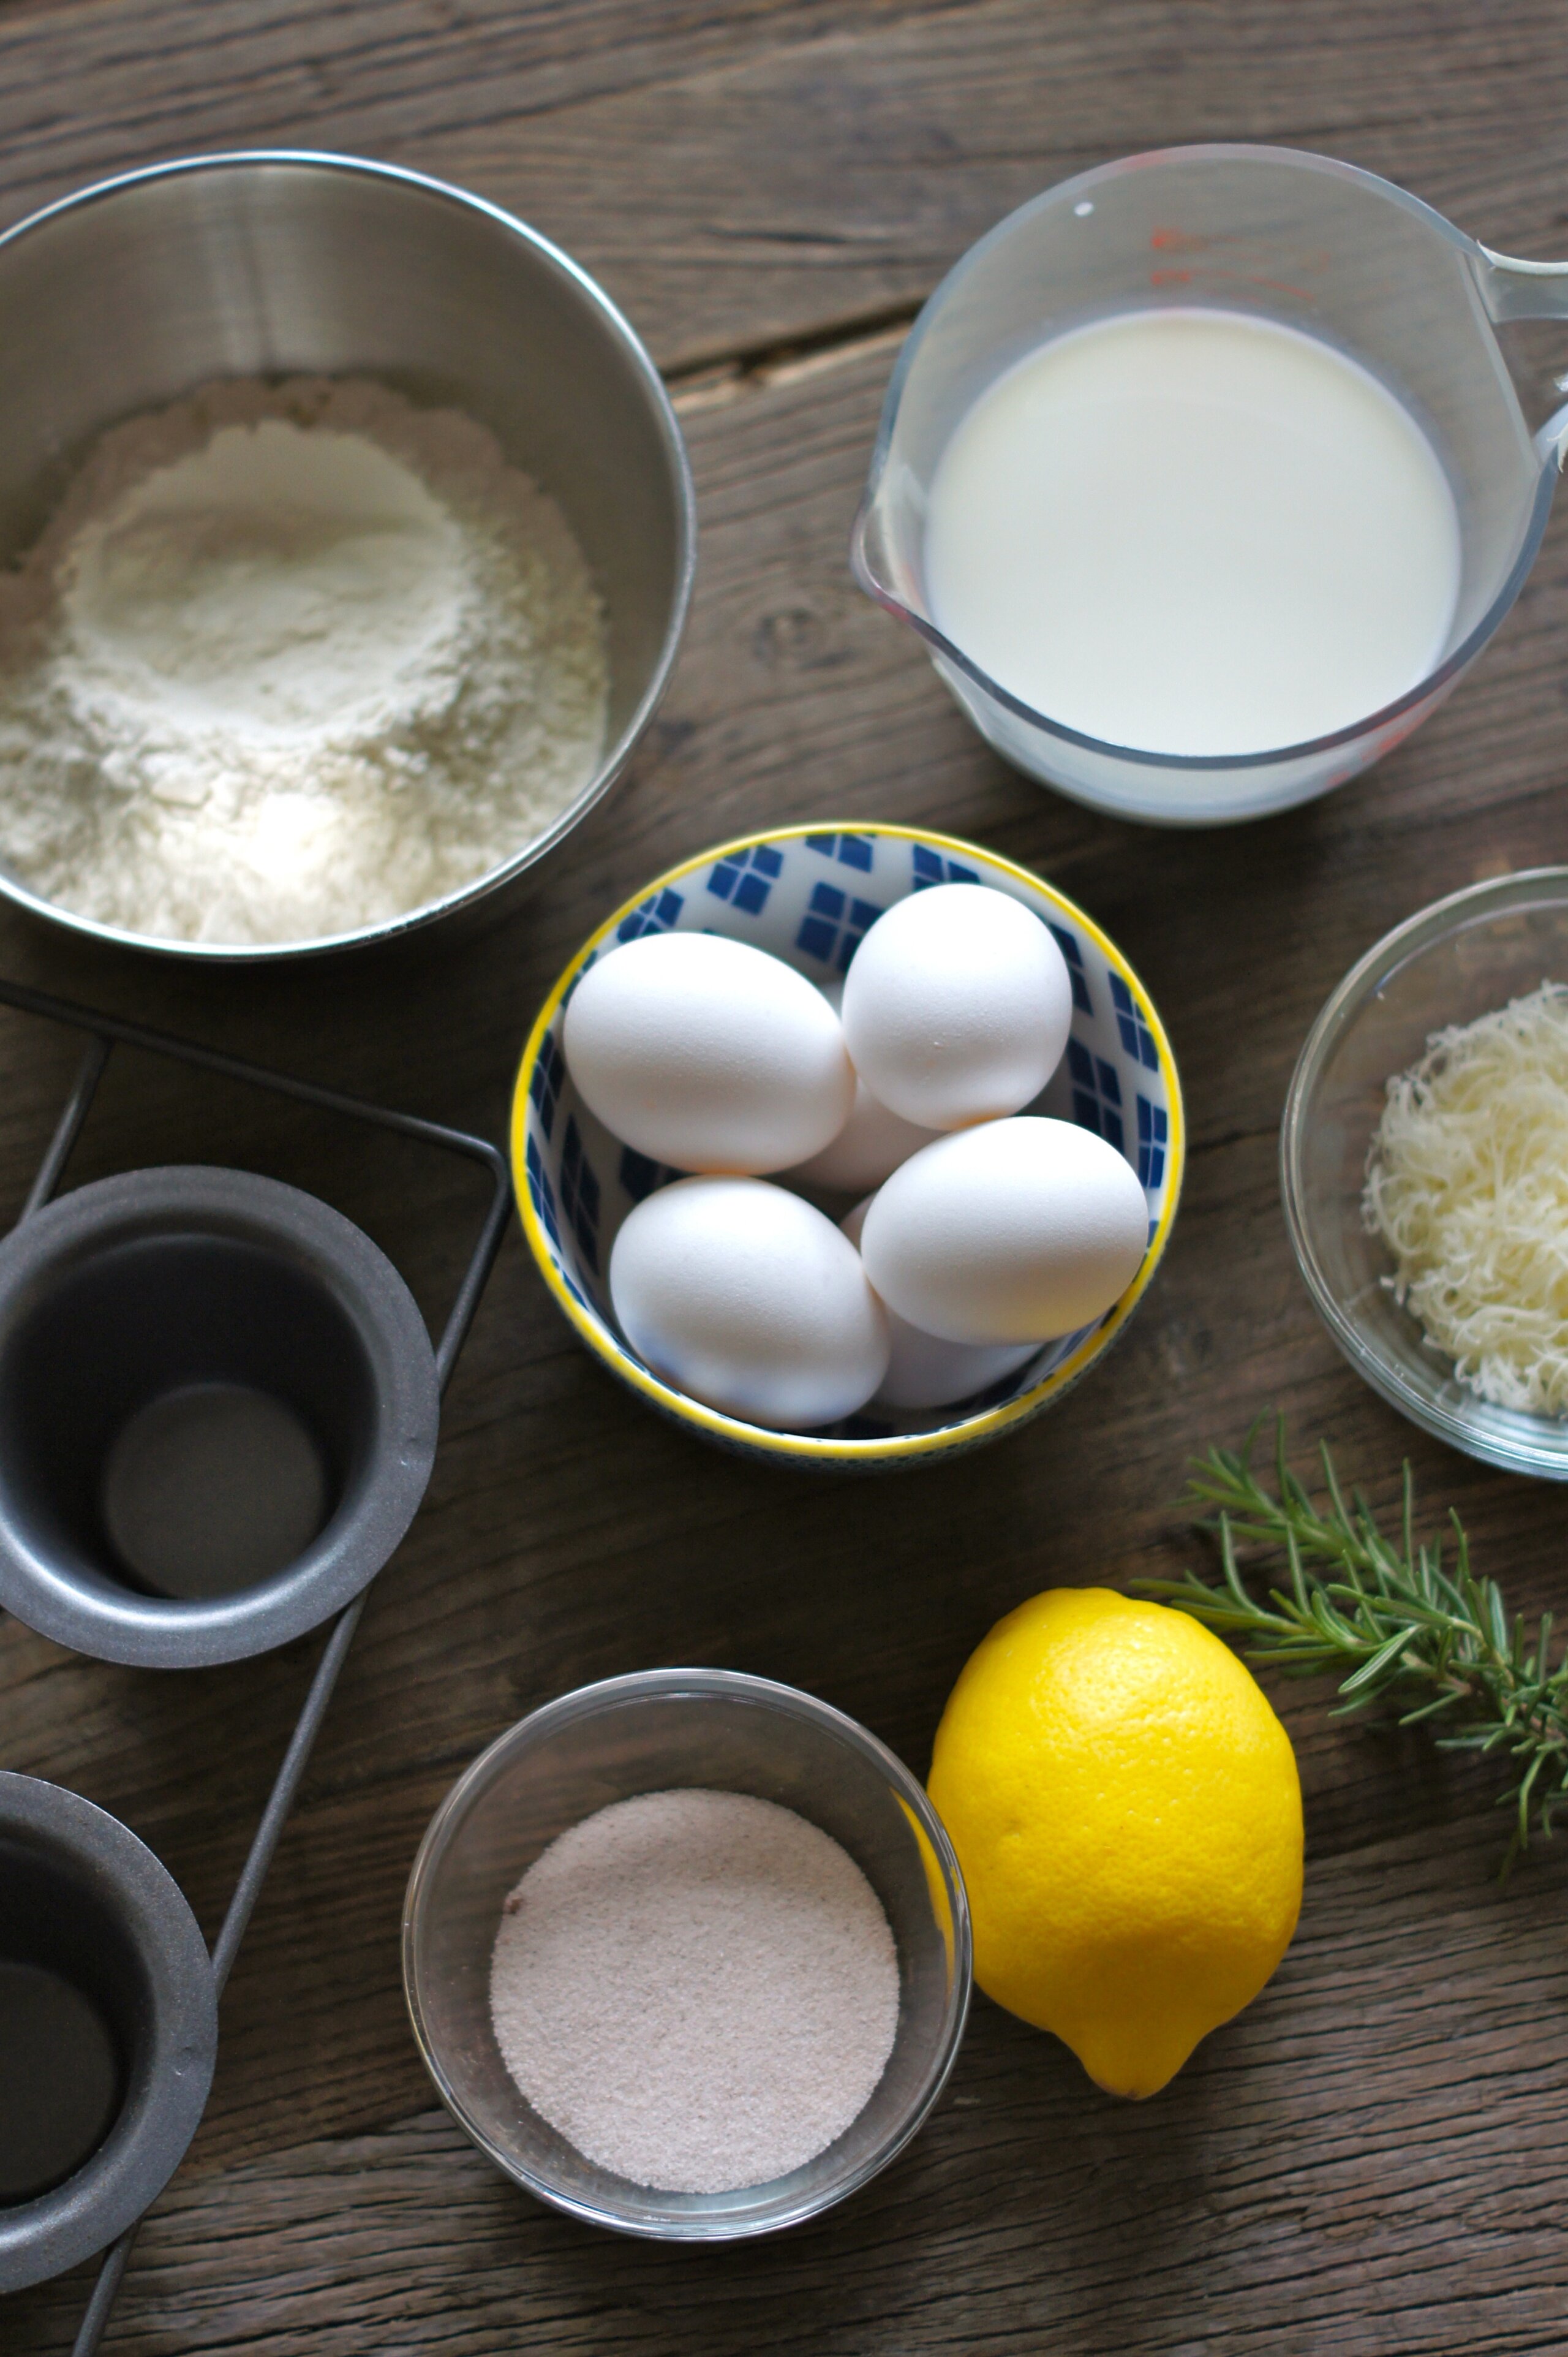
{"x":805,"y":1445}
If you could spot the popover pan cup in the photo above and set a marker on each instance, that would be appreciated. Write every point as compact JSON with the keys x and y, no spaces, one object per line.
{"x":108,"y":2027}
{"x":217,"y":1416}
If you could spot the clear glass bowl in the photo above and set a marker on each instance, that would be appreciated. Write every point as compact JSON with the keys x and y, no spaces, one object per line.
{"x":653,"y":1732}
{"x":1455,"y":961}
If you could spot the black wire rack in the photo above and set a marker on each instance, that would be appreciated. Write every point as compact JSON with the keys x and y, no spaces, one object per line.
{"x":103,"y":1033}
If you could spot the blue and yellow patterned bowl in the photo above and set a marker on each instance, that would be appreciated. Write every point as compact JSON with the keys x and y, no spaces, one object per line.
{"x":807,"y":894}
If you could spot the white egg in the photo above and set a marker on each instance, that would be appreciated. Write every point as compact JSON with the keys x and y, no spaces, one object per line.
{"x":750,"y":1299}
{"x":707,"y":1054}
{"x":957,"y":1006}
{"x":925,"y":1371}
{"x":1008,"y":1231}
{"x":867,"y":1149}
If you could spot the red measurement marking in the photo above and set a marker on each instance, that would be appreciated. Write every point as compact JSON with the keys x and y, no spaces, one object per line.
{"x":1177,"y":241}
{"x":1239,"y":277}
{"x":1389,"y":737}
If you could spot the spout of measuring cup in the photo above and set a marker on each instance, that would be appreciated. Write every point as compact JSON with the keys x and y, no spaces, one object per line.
{"x":884,"y":546}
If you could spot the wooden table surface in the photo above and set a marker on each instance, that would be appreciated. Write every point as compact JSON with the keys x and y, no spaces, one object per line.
{"x":1370,"y":2160}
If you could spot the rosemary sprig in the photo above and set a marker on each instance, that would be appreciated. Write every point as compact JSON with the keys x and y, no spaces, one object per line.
{"x":1396,"y":1624}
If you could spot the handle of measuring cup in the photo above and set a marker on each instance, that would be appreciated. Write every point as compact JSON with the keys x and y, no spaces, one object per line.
{"x":1513,"y":289}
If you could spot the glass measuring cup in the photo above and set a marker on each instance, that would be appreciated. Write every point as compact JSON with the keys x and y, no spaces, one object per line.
{"x":1302,"y":239}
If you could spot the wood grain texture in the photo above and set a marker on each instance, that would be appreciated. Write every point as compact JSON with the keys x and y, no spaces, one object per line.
{"x":1365,"y":2158}
{"x":744,"y":174}
{"x":1368,"y":2158}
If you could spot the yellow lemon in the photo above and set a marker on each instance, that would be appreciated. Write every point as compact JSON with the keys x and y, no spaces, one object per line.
{"x":1126,"y":1811}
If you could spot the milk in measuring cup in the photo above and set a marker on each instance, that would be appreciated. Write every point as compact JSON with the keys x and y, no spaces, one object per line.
{"x":1193,"y":532}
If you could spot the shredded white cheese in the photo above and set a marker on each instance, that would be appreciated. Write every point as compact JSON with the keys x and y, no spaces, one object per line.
{"x":1468,"y":1184}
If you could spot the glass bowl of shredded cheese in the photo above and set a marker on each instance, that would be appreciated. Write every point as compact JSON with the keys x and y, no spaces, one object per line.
{"x":1425,"y":1165}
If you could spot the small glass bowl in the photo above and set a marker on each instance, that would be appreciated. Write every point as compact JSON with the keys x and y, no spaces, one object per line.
{"x":656,"y":1731}
{"x":1459,"y":959}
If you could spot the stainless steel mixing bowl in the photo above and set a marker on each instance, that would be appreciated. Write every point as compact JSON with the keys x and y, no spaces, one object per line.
{"x":124,"y":297}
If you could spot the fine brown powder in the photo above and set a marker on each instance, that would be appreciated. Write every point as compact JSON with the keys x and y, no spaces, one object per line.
{"x":699,"y":1989}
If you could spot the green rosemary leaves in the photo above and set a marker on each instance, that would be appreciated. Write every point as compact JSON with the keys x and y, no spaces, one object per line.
{"x":1390,"y":1619}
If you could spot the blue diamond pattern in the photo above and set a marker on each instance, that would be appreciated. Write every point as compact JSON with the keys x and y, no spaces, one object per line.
{"x":580,"y":1194}
{"x":1096,"y":1095}
{"x":849,"y":850}
{"x":651,"y":916}
{"x":835,"y":925}
{"x":1068,"y":944}
{"x":933,"y":867}
{"x":1152,"y":1137}
{"x":639,"y":1174}
{"x":1132,"y":1024}
{"x":570,"y":991}
{"x":747,"y":879}
{"x":544,"y":1087}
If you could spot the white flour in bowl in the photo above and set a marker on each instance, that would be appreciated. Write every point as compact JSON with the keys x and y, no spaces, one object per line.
{"x":290,"y":661}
